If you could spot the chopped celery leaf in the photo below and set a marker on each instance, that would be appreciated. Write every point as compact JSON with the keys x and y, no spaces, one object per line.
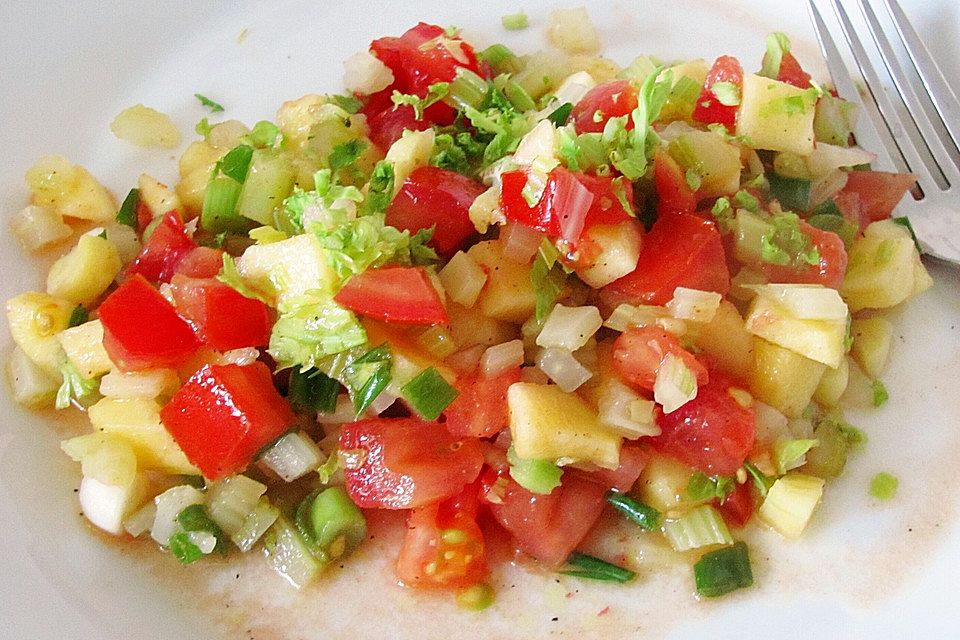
{"x":236,"y":163}
{"x":884,"y":486}
{"x":536,"y":476}
{"x":75,"y":388}
{"x":727,"y":93}
{"x":722,"y":571}
{"x":203,"y":127}
{"x":367,"y":376}
{"x":429,"y":394}
{"x":777,"y":45}
{"x":746,"y":200}
{"x":345,"y":154}
{"x":788,"y":452}
{"x":548,"y":279}
{"x":230,"y":275}
{"x":760,"y":479}
{"x":788,"y":244}
{"x":380,"y":187}
{"x":723,"y":214}
{"x":128,"y":210}
{"x":435,"y":93}
{"x":263,"y":135}
{"x":310,"y":328}
{"x":880,"y":393}
{"x":79,"y":315}
{"x":350,"y":104}
{"x":215,"y":107}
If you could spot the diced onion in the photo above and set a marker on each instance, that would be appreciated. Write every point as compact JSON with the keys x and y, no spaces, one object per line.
{"x":107,"y":505}
{"x":146,"y":127}
{"x":485,"y":209}
{"x":140,"y":384}
{"x":383,"y":402}
{"x":569,"y":328}
{"x":39,"y":227}
{"x":231,"y":501}
{"x":463,"y":279}
{"x":805,"y":301}
{"x":364,"y":73}
{"x":675,"y":326}
{"x":169,"y":505}
{"x":771,"y":425}
{"x":693,"y":304}
{"x":30,"y":385}
{"x":540,"y":143}
{"x":343,"y":413}
{"x":140,"y":521}
{"x":826,"y":187}
{"x":466,"y":360}
{"x":628,"y":315}
{"x":293,"y":456}
{"x":675,"y":384}
{"x":501,"y":357}
{"x":574,"y":200}
{"x":615,"y":408}
{"x":520,"y":242}
{"x":240,"y":357}
{"x":825,"y":158}
{"x":561,"y":367}
{"x":205,"y":541}
{"x":573,"y":88}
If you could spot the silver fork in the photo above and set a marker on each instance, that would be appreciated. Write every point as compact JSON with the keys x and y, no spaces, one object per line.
{"x":915,"y":143}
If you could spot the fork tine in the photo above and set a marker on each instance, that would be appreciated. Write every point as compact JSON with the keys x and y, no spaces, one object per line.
{"x":942,"y":96}
{"x":887,"y":111}
{"x":869,"y":127}
{"x":930,"y":137}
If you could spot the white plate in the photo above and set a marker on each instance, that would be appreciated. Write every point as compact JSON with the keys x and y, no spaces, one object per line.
{"x":863,"y":570}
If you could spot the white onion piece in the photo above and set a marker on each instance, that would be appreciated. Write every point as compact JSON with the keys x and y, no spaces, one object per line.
{"x":466,"y":360}
{"x":825,"y":187}
{"x":205,"y":541}
{"x":364,"y":73}
{"x":107,"y":505}
{"x":561,"y":367}
{"x":615,"y":407}
{"x":520,"y":242}
{"x":628,"y":315}
{"x":140,"y":521}
{"x":572,"y":200}
{"x":140,"y":384}
{"x":771,"y":425}
{"x":169,"y":505}
{"x":540,"y":143}
{"x":293,"y":456}
{"x":693,"y":304}
{"x":827,"y":157}
{"x":501,"y":357}
{"x":240,"y":357}
{"x":569,"y":328}
{"x":231,"y":500}
{"x":675,"y":384}
{"x":382,"y":402}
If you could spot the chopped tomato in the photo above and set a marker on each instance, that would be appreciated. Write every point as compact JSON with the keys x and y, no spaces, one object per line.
{"x":848,"y":202}
{"x":673,"y":192}
{"x":681,"y":250}
{"x":713,"y":432}
{"x":879,"y":191}
{"x":638,"y":353}
{"x":443,"y":546}
{"x":547,"y":527}
{"x":144,"y":216}
{"x":606,"y":207}
{"x":387,"y":126}
{"x":438,"y":198}
{"x":142,"y":330}
{"x":202,"y":262}
{"x":608,"y":100}
{"x":792,"y":73}
{"x":828,"y":271}
{"x":709,"y":109}
{"x":480,"y":410}
{"x":222,"y":317}
{"x":224,"y":415}
{"x":738,"y":507}
{"x":632,"y":461}
{"x":404,"y":295}
{"x":163,"y":251}
{"x":560,"y":212}
{"x":400,"y":463}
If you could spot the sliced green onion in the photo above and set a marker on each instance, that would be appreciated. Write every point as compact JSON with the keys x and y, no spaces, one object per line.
{"x":536,"y":476}
{"x":559,"y":115}
{"x":333,"y":522}
{"x":760,"y":479}
{"x":369,"y":374}
{"x":884,"y":486}
{"x":722,"y":571}
{"x":501,"y":58}
{"x":643,"y":515}
{"x":78,"y":316}
{"x":515,"y":21}
{"x":312,"y":390}
{"x":128,"y":210}
{"x":195,"y":518}
{"x":699,"y":527}
{"x":905,"y":222}
{"x":793,"y":193}
{"x":183,"y":549}
{"x":429,"y":394}
{"x":593,"y":568}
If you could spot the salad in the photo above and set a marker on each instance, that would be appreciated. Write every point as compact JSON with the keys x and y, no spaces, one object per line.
{"x":502,"y":293}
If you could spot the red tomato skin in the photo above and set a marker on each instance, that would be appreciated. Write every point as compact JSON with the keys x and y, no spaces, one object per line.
{"x":546,"y":527}
{"x":142,"y":330}
{"x":674,"y":194}
{"x":792,"y":73}
{"x":709,"y":109}
{"x":681,"y":250}
{"x":606,"y":207}
{"x":433,"y":197}
{"x":879,"y":191}
{"x":163,"y":251}
{"x":144,"y":216}
{"x":712,"y":432}
{"x":414,"y":66}
{"x":428,"y":559}
{"x":403,"y":295}
{"x":632,"y":461}
{"x":828,"y":272}
{"x":612,"y":99}
{"x":638,"y":353}
{"x":202,"y":262}
{"x":549,"y":215}
{"x":480,"y":411}
{"x":738,"y":507}
{"x":224,"y":415}
{"x":406,"y":462}
{"x":387,"y":126}
{"x":222,"y":317}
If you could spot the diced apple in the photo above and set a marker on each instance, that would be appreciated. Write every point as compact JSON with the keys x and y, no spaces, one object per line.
{"x":782,"y":378}
{"x":871,"y":344}
{"x":819,"y":340}
{"x":84,"y":274}
{"x":618,"y":251}
{"x":83,"y":345}
{"x":287,"y":269}
{"x":35,"y":319}
{"x":508,"y":294}
{"x":776,"y":116}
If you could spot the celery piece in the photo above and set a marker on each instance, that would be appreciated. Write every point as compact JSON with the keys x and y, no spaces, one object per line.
{"x":883,"y":486}
{"x":467,"y":90}
{"x":793,"y":193}
{"x":519,"y":98}
{"x":704,"y":487}
{"x":699,"y":527}
{"x":593,"y":568}
{"x":263,"y":135}
{"x":255,"y":525}
{"x":643,"y":515}
{"x":289,"y":555}
{"x":787,"y":453}
{"x":220,"y":204}
{"x":722,"y":571}
{"x":833,"y":120}
{"x":536,"y":476}
{"x":548,"y":278}
{"x":501,"y":59}
{"x":828,"y":459}
{"x":429,"y":394}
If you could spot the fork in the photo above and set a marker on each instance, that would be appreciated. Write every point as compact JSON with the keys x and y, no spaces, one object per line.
{"x":917,"y":144}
